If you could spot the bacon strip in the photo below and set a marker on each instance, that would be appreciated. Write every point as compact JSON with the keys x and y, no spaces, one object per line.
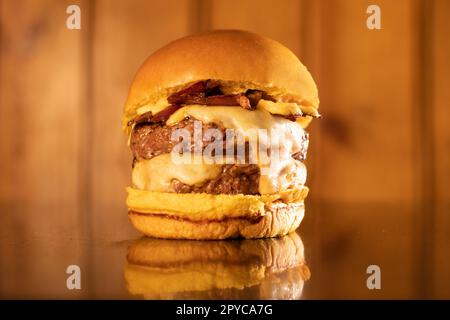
{"x":255,"y":95}
{"x":161,"y":116}
{"x":219,"y":100}
{"x":199,"y":89}
{"x":196,"y":88}
{"x":208,"y":93}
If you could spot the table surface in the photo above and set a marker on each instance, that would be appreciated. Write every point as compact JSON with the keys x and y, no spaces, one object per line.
{"x":329,"y":259}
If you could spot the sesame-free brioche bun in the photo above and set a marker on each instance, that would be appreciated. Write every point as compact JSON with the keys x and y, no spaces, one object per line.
{"x":237,"y":59}
{"x":278,"y":219}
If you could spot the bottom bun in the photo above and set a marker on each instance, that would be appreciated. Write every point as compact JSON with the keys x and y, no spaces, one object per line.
{"x":279,"y":219}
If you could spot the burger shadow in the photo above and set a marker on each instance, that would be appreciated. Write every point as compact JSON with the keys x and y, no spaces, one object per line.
{"x":272,"y":268}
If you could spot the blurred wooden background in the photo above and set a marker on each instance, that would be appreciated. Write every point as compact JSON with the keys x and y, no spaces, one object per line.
{"x":384,"y":138}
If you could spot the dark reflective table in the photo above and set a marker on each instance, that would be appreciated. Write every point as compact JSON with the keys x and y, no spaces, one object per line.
{"x":329,"y":257}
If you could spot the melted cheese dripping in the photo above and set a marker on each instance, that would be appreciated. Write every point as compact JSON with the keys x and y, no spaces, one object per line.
{"x":283,"y":136}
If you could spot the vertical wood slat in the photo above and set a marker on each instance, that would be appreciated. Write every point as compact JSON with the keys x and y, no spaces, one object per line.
{"x":125,"y":33}
{"x":441,"y":117}
{"x":366,"y":98}
{"x":423,"y":109}
{"x":277,"y":20}
{"x":40,"y":92}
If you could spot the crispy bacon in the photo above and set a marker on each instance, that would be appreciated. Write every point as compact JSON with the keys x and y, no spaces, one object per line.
{"x":208,"y":93}
{"x":197,"y":90}
{"x":145,"y":117}
{"x":255,"y":95}
{"x":218,"y":100}
{"x":161,"y":116}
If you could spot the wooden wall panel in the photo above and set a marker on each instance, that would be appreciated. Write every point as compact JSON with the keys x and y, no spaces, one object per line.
{"x":441,"y":120}
{"x":268,"y":17}
{"x":366,"y":148}
{"x":40,"y":97}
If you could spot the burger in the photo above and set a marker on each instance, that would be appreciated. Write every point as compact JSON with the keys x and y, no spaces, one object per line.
{"x":237,"y":269}
{"x":216,"y":125}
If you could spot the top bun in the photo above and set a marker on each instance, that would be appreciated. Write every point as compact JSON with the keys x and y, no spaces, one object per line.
{"x":239,"y":59}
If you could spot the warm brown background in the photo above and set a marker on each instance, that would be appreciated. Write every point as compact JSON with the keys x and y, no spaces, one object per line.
{"x":384,"y":141}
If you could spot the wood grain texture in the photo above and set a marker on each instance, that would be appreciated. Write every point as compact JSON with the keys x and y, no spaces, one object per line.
{"x":366,"y":149}
{"x":267,"y":17}
{"x":441,"y":120}
{"x":41,"y":94}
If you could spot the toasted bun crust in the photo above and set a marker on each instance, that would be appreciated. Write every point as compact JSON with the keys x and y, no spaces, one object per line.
{"x":279,"y":219}
{"x":238,"y":58}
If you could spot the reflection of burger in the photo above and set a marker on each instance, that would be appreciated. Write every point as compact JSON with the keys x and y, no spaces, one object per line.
{"x":202,"y":96}
{"x":238,"y":269}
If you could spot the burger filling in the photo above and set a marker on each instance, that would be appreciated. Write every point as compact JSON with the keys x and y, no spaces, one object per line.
{"x":151,"y":142}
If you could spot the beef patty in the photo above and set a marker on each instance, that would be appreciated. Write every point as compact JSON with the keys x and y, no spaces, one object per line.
{"x":234,"y":179}
{"x":152,"y":139}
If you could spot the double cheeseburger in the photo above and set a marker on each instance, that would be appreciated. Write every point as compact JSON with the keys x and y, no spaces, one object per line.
{"x":237,"y":269}
{"x":227,"y":83}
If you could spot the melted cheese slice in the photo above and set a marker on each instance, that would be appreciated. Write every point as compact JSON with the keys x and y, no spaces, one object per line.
{"x":281,"y":175}
{"x":287,"y":108}
{"x":282,"y":108}
{"x":156,"y":107}
{"x":282,"y":135}
{"x":157,"y":173}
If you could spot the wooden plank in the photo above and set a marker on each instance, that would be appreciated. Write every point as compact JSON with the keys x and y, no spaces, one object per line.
{"x":40,"y":92}
{"x":366,"y":96}
{"x":125,"y":33}
{"x":267,"y":17}
{"x":441,"y":98}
